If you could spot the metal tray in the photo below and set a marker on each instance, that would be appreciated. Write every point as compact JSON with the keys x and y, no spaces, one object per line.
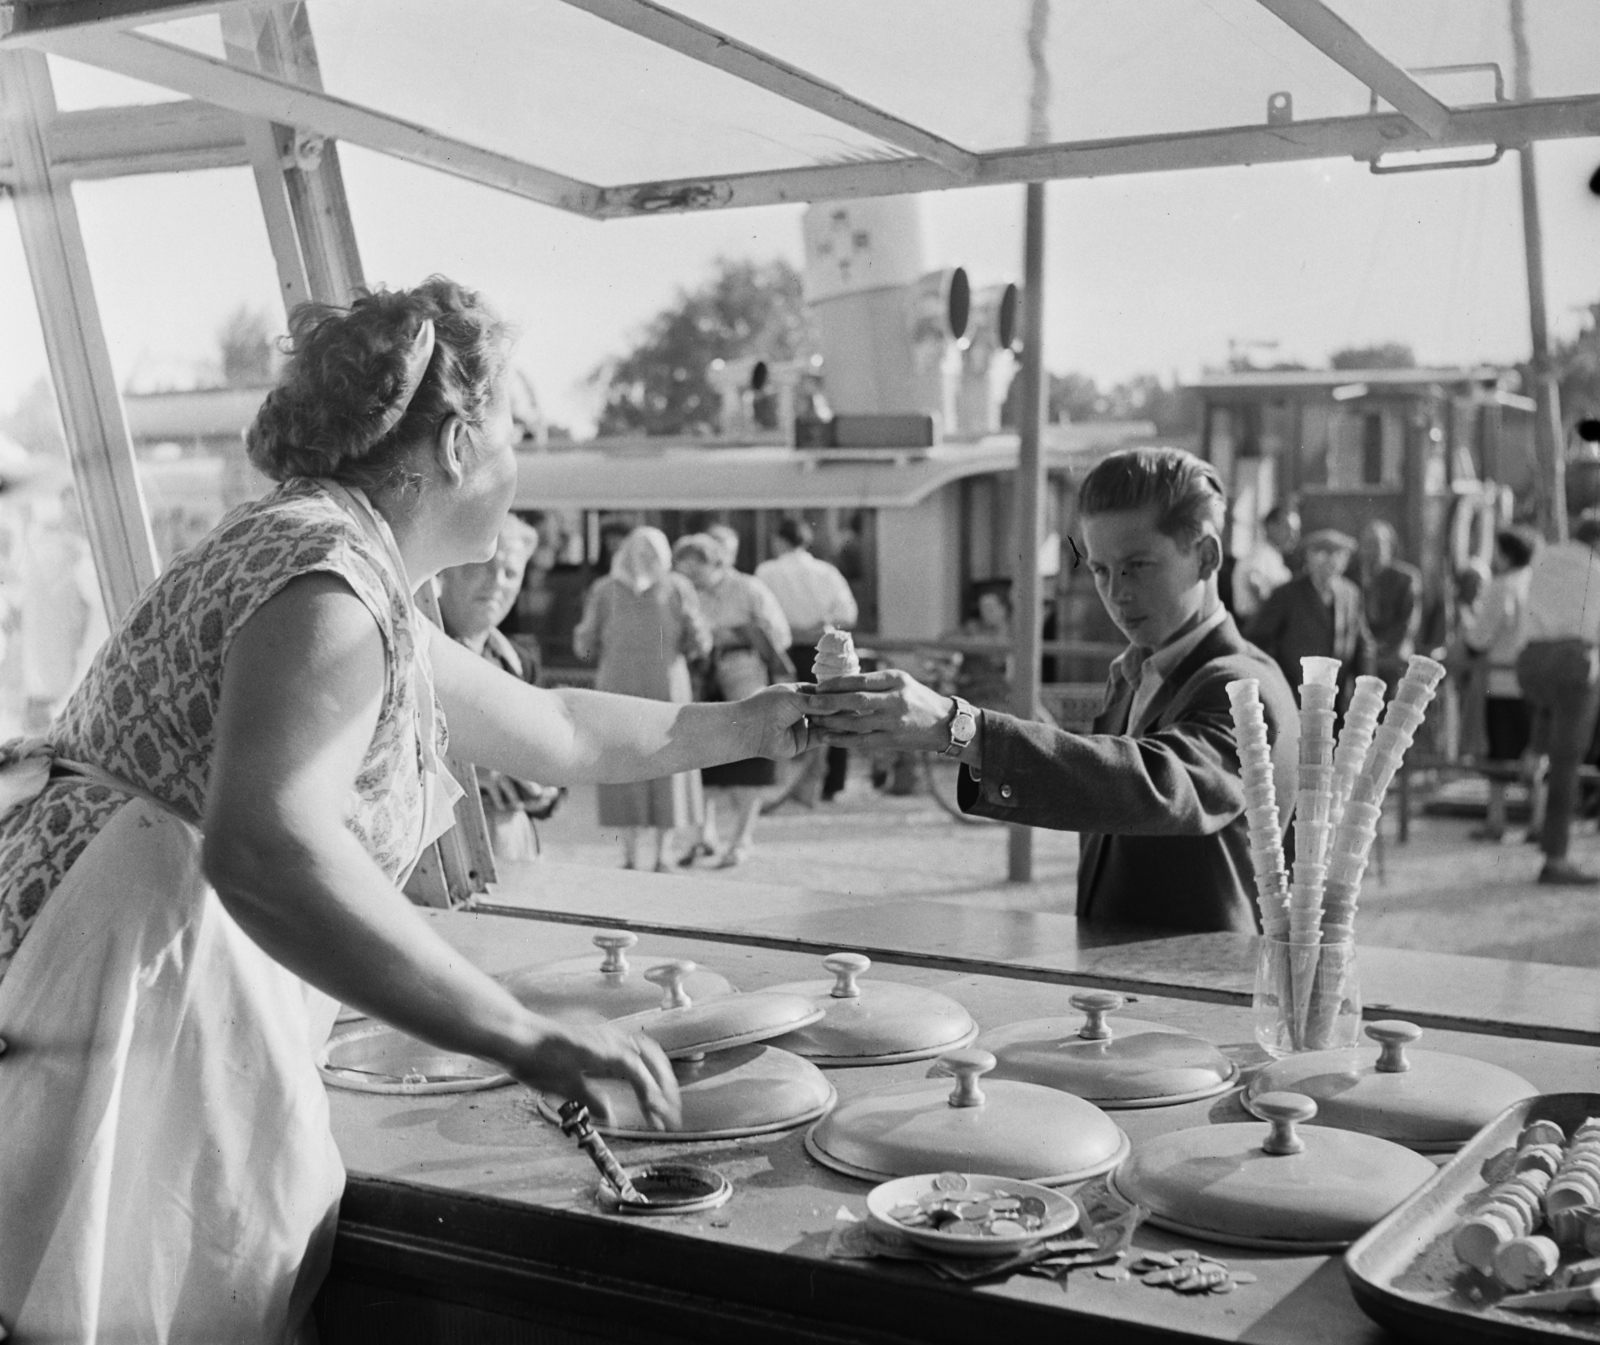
{"x":1405,"y":1275}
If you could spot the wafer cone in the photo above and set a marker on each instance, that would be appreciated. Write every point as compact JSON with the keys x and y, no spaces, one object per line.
{"x":1328,"y":993}
{"x":1319,"y":671}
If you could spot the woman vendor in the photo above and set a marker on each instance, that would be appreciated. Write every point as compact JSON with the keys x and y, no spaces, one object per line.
{"x":203,"y":856}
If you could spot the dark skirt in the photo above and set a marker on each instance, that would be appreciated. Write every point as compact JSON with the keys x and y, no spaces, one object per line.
{"x":1509,"y":723}
{"x":751,"y":771}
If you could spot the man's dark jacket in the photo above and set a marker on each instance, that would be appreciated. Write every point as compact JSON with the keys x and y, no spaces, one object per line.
{"x":1160,"y":810}
{"x":1295,"y":623}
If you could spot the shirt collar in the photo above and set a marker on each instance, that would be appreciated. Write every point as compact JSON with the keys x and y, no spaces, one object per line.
{"x":1164,"y":661}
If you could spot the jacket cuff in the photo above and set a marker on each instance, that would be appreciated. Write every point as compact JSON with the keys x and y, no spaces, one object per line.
{"x":988,"y":792}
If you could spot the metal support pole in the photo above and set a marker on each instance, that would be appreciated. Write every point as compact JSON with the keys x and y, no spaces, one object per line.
{"x":1549,"y":439}
{"x":1030,"y":502}
{"x":98,"y":443}
{"x":1027,"y":612}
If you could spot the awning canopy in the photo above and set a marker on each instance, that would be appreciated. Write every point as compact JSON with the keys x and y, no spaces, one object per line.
{"x":681,"y":476}
{"x":625,"y":107}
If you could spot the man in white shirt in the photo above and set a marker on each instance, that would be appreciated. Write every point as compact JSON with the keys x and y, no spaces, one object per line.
{"x":814,"y":596}
{"x":1266,"y":568}
{"x":1559,"y":670}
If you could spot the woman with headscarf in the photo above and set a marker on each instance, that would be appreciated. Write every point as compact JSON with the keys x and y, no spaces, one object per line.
{"x":643,"y":623}
{"x":752,"y":639}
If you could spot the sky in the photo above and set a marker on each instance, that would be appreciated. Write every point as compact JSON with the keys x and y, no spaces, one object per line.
{"x":1156,"y":273}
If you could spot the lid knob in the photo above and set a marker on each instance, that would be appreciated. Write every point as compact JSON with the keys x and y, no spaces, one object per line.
{"x":966,"y":1065}
{"x":670,"y":976}
{"x":845,"y":968}
{"x":1393,"y":1034}
{"x":1283,"y":1111}
{"x":614,"y":941}
{"x":1096,"y":1004}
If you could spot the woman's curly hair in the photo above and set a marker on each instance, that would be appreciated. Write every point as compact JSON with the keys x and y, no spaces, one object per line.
{"x":346,"y":376}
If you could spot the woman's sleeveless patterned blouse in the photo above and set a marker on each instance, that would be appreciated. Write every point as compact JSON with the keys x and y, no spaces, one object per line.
{"x":145,"y":710}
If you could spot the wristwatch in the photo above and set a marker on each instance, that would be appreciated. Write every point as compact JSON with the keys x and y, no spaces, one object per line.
{"x":963,"y":727}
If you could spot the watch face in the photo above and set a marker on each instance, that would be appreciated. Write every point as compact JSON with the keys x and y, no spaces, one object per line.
{"x":963,"y":726}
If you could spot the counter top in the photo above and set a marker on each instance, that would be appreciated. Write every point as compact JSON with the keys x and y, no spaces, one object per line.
{"x":492,"y":1209}
{"x":1542,"y":1001}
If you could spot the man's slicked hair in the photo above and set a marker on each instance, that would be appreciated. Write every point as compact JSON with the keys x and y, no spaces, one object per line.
{"x":1184,"y":490}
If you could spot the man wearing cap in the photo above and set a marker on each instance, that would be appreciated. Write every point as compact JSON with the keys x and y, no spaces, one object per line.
{"x":1317,"y":614}
{"x":1559,"y":670}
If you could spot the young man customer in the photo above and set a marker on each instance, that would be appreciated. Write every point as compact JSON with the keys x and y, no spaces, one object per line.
{"x":1155,"y":790}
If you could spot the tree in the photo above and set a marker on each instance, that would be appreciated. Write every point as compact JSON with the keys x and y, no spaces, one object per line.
{"x":1577,"y":370}
{"x":746,"y":308}
{"x":1384,"y":355}
{"x":247,"y":354}
{"x":34,"y":422}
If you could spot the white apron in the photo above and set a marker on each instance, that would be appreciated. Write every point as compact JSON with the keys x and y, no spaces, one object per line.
{"x":167,"y":1173}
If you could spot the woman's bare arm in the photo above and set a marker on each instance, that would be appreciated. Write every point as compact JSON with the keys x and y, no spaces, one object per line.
{"x":301,"y":692}
{"x":572,"y":737}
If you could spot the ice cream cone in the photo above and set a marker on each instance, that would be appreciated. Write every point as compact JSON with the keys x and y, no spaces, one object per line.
{"x":1323,"y":671}
{"x":1317,"y":752}
{"x":1330,"y":980}
{"x":1244,"y":689}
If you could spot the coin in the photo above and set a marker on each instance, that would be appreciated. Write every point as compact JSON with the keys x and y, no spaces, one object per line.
{"x":1242,"y":1277}
{"x":974,"y":1209}
{"x":965,"y":1228}
{"x":1032,"y":1205}
{"x":1159,"y":1259}
{"x":1006,"y":1228}
{"x":950,"y":1181}
{"x":1223,"y":1287}
{"x":1187,"y":1254}
{"x":1160,"y":1277}
{"x":1118,"y":1273}
{"x":1005,"y":1204}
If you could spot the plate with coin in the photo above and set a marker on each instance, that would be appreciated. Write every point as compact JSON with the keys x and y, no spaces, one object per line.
{"x":967,"y":1214}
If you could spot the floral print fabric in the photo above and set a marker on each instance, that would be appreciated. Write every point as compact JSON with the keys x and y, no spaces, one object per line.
{"x":145,"y":710}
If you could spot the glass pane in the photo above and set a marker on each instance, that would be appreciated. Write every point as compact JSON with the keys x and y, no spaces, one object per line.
{"x":962,"y":69}
{"x":1563,"y":41}
{"x":556,"y":88}
{"x":81,"y":86}
{"x":189,"y":298}
{"x":51,"y":616}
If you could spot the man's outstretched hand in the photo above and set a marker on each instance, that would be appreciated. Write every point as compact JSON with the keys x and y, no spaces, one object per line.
{"x":889,"y":708}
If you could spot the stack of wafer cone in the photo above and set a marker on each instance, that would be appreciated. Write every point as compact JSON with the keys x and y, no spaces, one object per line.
{"x":1261,"y":806}
{"x":1313,"y":828}
{"x":1358,"y":825}
{"x":1355,"y":739}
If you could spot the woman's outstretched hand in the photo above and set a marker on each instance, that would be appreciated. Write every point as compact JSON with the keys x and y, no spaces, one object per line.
{"x":568,"y":1057}
{"x":782,"y":722}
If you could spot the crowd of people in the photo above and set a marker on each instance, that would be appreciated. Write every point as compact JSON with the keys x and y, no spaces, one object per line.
{"x":1521,"y":641}
{"x":684,"y":623}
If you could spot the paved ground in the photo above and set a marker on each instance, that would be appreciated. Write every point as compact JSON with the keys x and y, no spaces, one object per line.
{"x":1441,"y":891}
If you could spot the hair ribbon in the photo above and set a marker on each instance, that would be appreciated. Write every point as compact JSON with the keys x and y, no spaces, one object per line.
{"x":417,"y":360}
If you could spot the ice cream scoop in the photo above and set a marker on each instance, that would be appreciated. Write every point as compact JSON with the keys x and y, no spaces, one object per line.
{"x":836,"y":656}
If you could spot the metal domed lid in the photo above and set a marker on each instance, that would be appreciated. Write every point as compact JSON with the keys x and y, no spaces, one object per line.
{"x":877,"y":1024}
{"x":689,"y":1029}
{"x":1282,"y":1188}
{"x":1426,"y":1100}
{"x":610,"y":987}
{"x":376,"y":1058}
{"x":1125,"y":1064}
{"x":1003,"y":1128}
{"x":748,"y":1090}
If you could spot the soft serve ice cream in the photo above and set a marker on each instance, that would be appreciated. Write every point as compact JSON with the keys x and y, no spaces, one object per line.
{"x":836,"y":656}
